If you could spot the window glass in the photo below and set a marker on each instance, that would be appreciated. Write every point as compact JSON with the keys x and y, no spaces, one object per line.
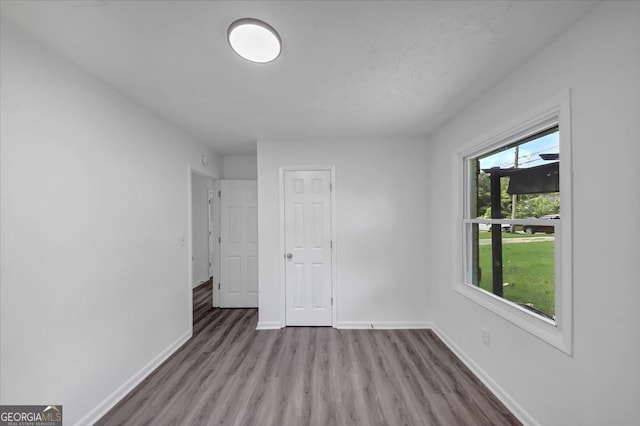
{"x":514,"y":207}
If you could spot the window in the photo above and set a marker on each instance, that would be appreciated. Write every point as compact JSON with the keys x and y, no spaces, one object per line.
{"x":509,"y":259}
{"x":516,"y":240}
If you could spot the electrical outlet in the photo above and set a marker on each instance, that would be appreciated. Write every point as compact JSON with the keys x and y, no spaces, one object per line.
{"x":486,"y":337}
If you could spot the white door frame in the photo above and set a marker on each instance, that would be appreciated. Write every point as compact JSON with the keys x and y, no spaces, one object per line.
{"x":334,"y":281}
{"x":217,"y":208}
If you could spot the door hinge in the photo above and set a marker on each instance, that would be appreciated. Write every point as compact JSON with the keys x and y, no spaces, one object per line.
{"x":332,"y":301}
{"x":330,"y":187}
{"x":330,"y":244}
{"x":209,"y":201}
{"x":219,"y":240}
{"x":219,"y":194}
{"x":218,"y":286}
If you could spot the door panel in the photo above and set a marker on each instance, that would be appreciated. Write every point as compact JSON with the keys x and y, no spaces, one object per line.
{"x":307,"y":207}
{"x":239,"y":244}
{"x":211,"y":230}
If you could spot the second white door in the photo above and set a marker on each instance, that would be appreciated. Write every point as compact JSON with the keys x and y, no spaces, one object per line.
{"x":239,"y":244}
{"x":307,"y":211}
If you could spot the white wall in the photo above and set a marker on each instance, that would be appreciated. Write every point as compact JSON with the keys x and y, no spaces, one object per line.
{"x":240,"y":167}
{"x":599,"y":59}
{"x":381,"y":227}
{"x":200,"y":187}
{"x":95,"y":283}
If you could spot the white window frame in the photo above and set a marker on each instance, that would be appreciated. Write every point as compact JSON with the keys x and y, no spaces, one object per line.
{"x":558,"y":333}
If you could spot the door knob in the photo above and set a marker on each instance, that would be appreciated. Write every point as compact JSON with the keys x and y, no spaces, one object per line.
{"x":289,"y":256}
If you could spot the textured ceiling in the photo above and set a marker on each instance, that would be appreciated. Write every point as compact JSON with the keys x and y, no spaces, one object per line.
{"x":352,"y":68}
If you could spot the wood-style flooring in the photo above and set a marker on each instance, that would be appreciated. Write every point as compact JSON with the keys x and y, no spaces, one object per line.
{"x":231,"y":374}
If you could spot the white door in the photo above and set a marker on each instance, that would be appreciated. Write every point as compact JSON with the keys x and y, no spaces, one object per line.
{"x":211,"y":228}
{"x":239,"y":244}
{"x":307,"y":214}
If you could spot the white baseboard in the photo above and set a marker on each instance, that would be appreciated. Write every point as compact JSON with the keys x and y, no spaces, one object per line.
{"x":269,"y":325}
{"x":357,"y":325}
{"x":101,"y":409}
{"x":382,"y":325}
{"x":494,"y":387}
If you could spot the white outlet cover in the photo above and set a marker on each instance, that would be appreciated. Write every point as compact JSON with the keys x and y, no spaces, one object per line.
{"x":486,"y":337}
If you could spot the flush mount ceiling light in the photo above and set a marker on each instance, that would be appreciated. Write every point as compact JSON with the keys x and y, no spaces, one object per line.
{"x":254,"y":40}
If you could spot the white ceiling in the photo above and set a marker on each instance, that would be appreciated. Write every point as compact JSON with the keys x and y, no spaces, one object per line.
{"x":348,"y":68}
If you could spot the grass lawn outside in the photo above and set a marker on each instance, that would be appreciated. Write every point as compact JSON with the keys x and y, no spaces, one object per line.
{"x":528,"y":269}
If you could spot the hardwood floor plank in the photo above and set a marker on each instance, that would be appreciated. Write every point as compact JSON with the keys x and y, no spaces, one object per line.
{"x":230,"y":374}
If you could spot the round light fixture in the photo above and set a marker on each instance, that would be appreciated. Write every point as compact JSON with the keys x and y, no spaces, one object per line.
{"x":254,"y":40}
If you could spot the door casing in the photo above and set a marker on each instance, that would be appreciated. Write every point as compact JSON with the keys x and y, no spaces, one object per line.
{"x":334,"y":286}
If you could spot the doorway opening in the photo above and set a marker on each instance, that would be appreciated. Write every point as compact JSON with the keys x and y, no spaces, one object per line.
{"x":201,"y":229}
